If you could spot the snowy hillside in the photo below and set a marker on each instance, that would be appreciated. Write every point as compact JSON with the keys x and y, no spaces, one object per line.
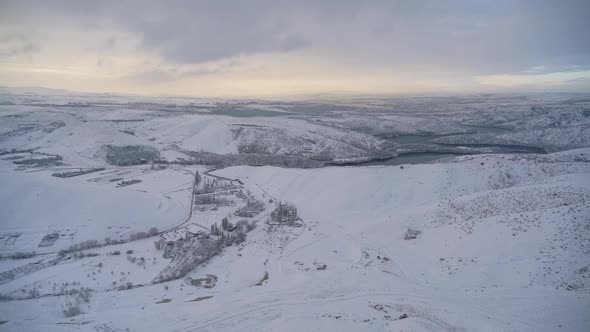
{"x":119,"y":209}
{"x":292,"y":134}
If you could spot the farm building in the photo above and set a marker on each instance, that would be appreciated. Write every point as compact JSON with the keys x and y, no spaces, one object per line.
{"x":284,"y":213}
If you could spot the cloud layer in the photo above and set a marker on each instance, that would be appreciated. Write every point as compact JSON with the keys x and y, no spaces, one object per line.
{"x":150,"y":46}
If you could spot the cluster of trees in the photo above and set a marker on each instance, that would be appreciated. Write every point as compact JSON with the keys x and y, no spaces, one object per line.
{"x":125,"y":286}
{"x":238,"y":231}
{"x":138,"y":236}
{"x":13,"y":151}
{"x":159,"y":244}
{"x":247,"y":158}
{"x":78,"y":255}
{"x":189,"y":255}
{"x":128,"y":155}
{"x":139,"y":261}
{"x":21,"y":255}
{"x":71,"y":307}
{"x":34,"y":293}
{"x":236,"y":237}
{"x":84,"y":245}
{"x":245,"y":225}
{"x":252,"y":208}
{"x":239,"y":238}
{"x":215,"y":230}
{"x":49,"y":161}
{"x":237,"y":234}
{"x":90,"y":244}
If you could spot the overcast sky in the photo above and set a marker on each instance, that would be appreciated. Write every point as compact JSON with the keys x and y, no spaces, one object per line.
{"x":265,"y":48}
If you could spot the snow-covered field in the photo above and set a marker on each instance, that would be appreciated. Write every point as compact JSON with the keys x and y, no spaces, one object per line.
{"x":479,"y":242}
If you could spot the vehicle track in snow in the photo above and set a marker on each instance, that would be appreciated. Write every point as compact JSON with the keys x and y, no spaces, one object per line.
{"x":225,"y":319}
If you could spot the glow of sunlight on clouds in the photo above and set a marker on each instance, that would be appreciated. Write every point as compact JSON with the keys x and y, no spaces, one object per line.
{"x":550,"y":79}
{"x":259,"y":48}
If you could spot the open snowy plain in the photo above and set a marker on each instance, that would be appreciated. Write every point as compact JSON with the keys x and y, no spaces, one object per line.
{"x":412,"y":214}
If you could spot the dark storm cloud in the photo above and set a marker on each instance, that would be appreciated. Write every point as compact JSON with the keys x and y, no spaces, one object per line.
{"x":479,"y":37}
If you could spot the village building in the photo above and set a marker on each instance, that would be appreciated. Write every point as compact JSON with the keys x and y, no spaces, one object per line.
{"x":284,"y":213}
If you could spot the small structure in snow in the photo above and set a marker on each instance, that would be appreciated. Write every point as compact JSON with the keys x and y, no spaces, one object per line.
{"x":127,"y":183}
{"x":284,"y":213}
{"x":49,"y":239}
{"x":411,"y":234}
